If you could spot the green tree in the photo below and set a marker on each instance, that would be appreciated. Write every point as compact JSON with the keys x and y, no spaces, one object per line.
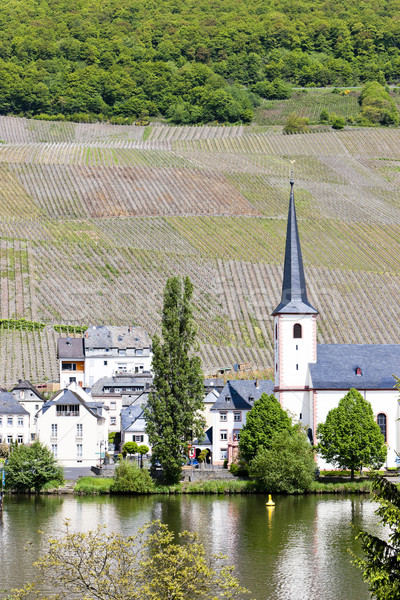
{"x":287,"y":465}
{"x":149,"y":564}
{"x":296,"y":124}
{"x":350,"y":438}
{"x":31,"y":467}
{"x":129,"y":478}
{"x":173,"y":411}
{"x":265,"y":419}
{"x":143,"y":449}
{"x":381,"y":564}
{"x":130,"y":447}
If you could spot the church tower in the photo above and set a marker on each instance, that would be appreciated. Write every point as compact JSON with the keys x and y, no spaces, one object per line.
{"x":295,"y":327}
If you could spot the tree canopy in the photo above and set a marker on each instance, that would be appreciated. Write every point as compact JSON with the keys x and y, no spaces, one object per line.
{"x":150,"y":564}
{"x":350,"y":438}
{"x":173,"y":415}
{"x":287,"y":465}
{"x":31,"y":467}
{"x":381,"y":563}
{"x":264,"y":419}
{"x":190,"y":62}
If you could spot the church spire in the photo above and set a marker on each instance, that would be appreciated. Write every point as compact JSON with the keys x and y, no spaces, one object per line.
{"x":294,"y":294}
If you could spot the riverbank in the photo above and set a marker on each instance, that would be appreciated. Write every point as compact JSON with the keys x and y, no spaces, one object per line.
{"x":95,"y":485}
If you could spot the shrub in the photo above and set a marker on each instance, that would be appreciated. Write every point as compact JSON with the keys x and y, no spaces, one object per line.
{"x":338,"y":122}
{"x":129,"y":478}
{"x":324,"y":116}
{"x":296,"y":124}
{"x":377,"y":107}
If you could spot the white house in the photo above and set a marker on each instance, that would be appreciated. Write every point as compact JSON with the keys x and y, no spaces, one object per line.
{"x":14,"y":420}
{"x":133,"y":424}
{"x":118,"y":392}
{"x":311,"y":378}
{"x":103,"y":352}
{"x":31,"y":399}
{"x":74,"y":427}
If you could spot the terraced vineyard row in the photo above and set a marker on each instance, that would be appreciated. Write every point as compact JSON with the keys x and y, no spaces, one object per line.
{"x":90,"y":231}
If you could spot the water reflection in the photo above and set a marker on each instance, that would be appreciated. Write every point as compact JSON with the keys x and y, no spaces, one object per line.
{"x":298,"y":549}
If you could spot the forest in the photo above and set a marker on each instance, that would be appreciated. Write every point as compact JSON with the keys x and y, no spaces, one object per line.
{"x":187,"y":61}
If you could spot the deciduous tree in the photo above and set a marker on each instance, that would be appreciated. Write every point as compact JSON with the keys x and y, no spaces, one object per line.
{"x":263,"y":420}
{"x":173,"y":412}
{"x":31,"y":467}
{"x":149,"y":565}
{"x":381,"y":564}
{"x":350,"y":438}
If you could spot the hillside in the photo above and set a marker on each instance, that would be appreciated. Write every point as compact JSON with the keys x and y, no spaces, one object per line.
{"x":187,"y":61}
{"x":93,"y":220}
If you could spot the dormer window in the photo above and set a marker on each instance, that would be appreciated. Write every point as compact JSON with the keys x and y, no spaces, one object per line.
{"x":358,"y":371}
{"x":227,"y":398}
{"x":297,"y":331}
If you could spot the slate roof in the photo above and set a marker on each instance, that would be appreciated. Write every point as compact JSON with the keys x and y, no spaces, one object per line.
{"x":101,"y":336}
{"x":294,"y":293}
{"x":9,"y":405}
{"x":237,"y":393}
{"x":132,"y":417}
{"x":122,"y":382}
{"x":211,"y":397}
{"x":337,"y":363}
{"x":70,"y":348}
{"x":214,"y":382}
{"x":208,"y":438}
{"x":26,"y":385}
{"x":69,"y":397}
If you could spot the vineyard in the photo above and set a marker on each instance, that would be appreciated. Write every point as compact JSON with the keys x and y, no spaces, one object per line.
{"x":94,"y":218}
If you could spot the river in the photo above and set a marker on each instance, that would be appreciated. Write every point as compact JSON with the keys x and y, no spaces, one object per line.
{"x":298,"y":550}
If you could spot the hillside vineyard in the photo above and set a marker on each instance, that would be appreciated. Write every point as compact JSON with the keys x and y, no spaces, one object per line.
{"x":93,"y":220}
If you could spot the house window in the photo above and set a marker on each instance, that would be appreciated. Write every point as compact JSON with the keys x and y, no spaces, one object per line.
{"x":68,"y":410}
{"x":223,"y":416}
{"x":54,"y":430}
{"x":223,"y":453}
{"x":68,"y":366}
{"x":297,"y":332}
{"x":22,"y":395}
{"x":113,"y":405}
{"x":1,"y":421}
{"x":297,"y":367}
{"x":113,"y":420}
{"x":20,"y":421}
{"x":20,"y":439}
{"x":223,"y":436}
{"x":137,"y":438}
{"x":36,"y":406}
{"x":72,"y":379}
{"x":105,"y":363}
{"x":236,"y":435}
{"x":122,"y":352}
{"x":33,"y":437}
{"x":9,"y":439}
{"x":237,"y":416}
{"x":79,"y":450}
{"x":10,"y":421}
{"x":381,"y":420}
{"x":139,"y":352}
{"x":54,"y":450}
{"x":79,"y":430}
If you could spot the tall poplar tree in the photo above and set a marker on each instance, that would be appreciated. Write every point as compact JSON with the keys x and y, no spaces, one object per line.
{"x":173,"y":412}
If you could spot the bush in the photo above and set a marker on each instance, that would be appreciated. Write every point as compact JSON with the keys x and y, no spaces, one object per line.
{"x":239,"y":468}
{"x":129,"y":478}
{"x":288,"y":465}
{"x":338,"y":122}
{"x":324,"y":116}
{"x":377,"y":107}
{"x":296,"y":124}
{"x":4,"y":451}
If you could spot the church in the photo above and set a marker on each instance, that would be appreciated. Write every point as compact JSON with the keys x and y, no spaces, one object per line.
{"x":311,"y":378}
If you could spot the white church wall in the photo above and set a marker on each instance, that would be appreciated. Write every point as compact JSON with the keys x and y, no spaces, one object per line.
{"x":294,"y":354}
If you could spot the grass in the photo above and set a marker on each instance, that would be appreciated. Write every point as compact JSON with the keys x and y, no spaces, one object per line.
{"x":93,"y":485}
{"x":97,"y":485}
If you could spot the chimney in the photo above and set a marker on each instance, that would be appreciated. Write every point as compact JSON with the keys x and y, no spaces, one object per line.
{"x":86,"y":334}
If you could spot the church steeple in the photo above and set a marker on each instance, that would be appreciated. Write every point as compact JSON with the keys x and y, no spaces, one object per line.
{"x":294,"y":293}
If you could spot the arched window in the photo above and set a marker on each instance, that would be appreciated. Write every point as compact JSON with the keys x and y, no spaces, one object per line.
{"x":297,"y":333}
{"x":381,"y":420}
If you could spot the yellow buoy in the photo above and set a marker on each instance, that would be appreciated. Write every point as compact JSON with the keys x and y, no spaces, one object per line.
{"x":270,"y":501}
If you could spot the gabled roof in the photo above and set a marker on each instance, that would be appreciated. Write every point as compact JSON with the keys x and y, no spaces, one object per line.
{"x":211,"y":397}
{"x":9,"y":405}
{"x":208,"y":438}
{"x":132,"y":417}
{"x":26,"y":385}
{"x":101,"y":336}
{"x":337,"y":364}
{"x":294,"y":293}
{"x":70,"y":348}
{"x":69,"y":397}
{"x":241,"y":394}
{"x":123,"y":382}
